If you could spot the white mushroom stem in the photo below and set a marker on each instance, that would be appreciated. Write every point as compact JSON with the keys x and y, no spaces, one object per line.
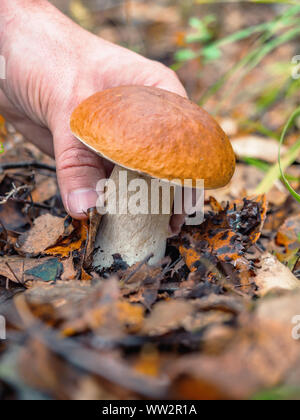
{"x":133,"y":236}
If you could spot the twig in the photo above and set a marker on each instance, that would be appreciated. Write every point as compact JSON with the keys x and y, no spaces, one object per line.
{"x":23,"y":272}
{"x":145,"y":260}
{"x":83,"y":255}
{"x":21,"y":165}
{"x":15,"y":190}
{"x":170,"y":266}
{"x":4,"y":231}
{"x":14,"y":274}
{"x":94,"y":223}
{"x":30,"y":203}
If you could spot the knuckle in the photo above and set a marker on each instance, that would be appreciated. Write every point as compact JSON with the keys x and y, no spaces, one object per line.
{"x":76,"y":157}
{"x":172,"y":73}
{"x":166,"y":71}
{"x":159,"y":66}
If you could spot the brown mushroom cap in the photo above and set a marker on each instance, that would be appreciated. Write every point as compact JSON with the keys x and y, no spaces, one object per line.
{"x":155,"y":132}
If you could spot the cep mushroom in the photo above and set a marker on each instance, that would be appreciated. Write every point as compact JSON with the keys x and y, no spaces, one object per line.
{"x":150,"y":133}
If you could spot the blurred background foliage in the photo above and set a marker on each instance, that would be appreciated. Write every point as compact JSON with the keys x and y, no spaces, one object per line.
{"x":235,"y":58}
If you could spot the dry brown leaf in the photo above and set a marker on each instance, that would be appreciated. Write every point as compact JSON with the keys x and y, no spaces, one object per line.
{"x":74,"y":241}
{"x":94,"y":222}
{"x":148,"y":362}
{"x":85,"y":276}
{"x":258,"y":357}
{"x":69,"y":270}
{"x":288,"y":238}
{"x":274,"y":276}
{"x":69,"y":293}
{"x":244,"y":181}
{"x":46,"y":231}
{"x":141,"y":284}
{"x":11,"y":216}
{"x":106,"y":311}
{"x":280,"y":309}
{"x":257,"y":147}
{"x":44,"y":190}
{"x":3,"y":131}
{"x":155,"y":12}
{"x":47,"y":371}
{"x":167,"y":316}
{"x":15,"y":267}
{"x":229,"y":125}
{"x":224,"y":238}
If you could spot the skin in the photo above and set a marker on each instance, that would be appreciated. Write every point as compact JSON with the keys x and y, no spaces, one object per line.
{"x":52,"y":65}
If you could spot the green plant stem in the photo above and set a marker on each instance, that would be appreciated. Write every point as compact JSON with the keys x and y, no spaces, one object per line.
{"x":276,"y":171}
{"x":281,"y":166}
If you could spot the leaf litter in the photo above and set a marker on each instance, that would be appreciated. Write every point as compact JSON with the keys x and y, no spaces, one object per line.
{"x":212,"y":320}
{"x":191,"y":327}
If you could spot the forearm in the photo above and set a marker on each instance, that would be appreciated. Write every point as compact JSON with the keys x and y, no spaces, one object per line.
{"x":8,"y":8}
{"x":30,"y":33}
{"x":39,"y":45}
{"x":14,"y":12}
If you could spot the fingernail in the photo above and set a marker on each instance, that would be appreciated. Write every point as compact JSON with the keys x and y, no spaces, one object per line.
{"x":80,"y":201}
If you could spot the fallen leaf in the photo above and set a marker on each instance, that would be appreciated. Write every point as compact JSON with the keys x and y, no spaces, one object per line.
{"x":3,"y":131}
{"x":258,"y":357}
{"x":288,"y":237}
{"x":94,"y":222}
{"x":257,"y":147}
{"x":167,"y":316}
{"x":274,"y":276}
{"x":74,"y":241}
{"x":141,"y":284}
{"x":224,"y":237}
{"x":69,"y":272}
{"x":46,"y":231}
{"x":229,"y":125}
{"x":148,"y":362}
{"x":19,"y":269}
{"x":46,"y":271}
{"x":106,"y":311}
{"x":45,"y":189}
{"x":243,"y":183}
{"x":11,"y":215}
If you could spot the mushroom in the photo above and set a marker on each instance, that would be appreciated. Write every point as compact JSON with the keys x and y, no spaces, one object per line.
{"x":149,"y":133}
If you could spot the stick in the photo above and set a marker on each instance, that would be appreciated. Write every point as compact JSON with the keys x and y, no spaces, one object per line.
{"x":3,"y":200}
{"x":21,"y":165}
{"x":145,"y":260}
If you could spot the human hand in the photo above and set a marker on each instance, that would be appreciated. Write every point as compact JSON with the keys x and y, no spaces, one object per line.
{"x":52,"y":66}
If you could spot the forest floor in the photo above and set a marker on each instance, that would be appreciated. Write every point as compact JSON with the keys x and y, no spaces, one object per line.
{"x":219,"y":317}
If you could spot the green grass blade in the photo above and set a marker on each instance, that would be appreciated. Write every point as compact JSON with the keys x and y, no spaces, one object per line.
{"x":276,"y":171}
{"x":289,"y":124}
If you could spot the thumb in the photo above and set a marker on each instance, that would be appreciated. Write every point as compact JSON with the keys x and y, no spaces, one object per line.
{"x":78,"y":170}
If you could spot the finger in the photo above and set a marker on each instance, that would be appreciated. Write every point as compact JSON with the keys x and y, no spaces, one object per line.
{"x":169,"y":80}
{"x":192,"y":202}
{"x":78,"y":170}
{"x":176,"y":223}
